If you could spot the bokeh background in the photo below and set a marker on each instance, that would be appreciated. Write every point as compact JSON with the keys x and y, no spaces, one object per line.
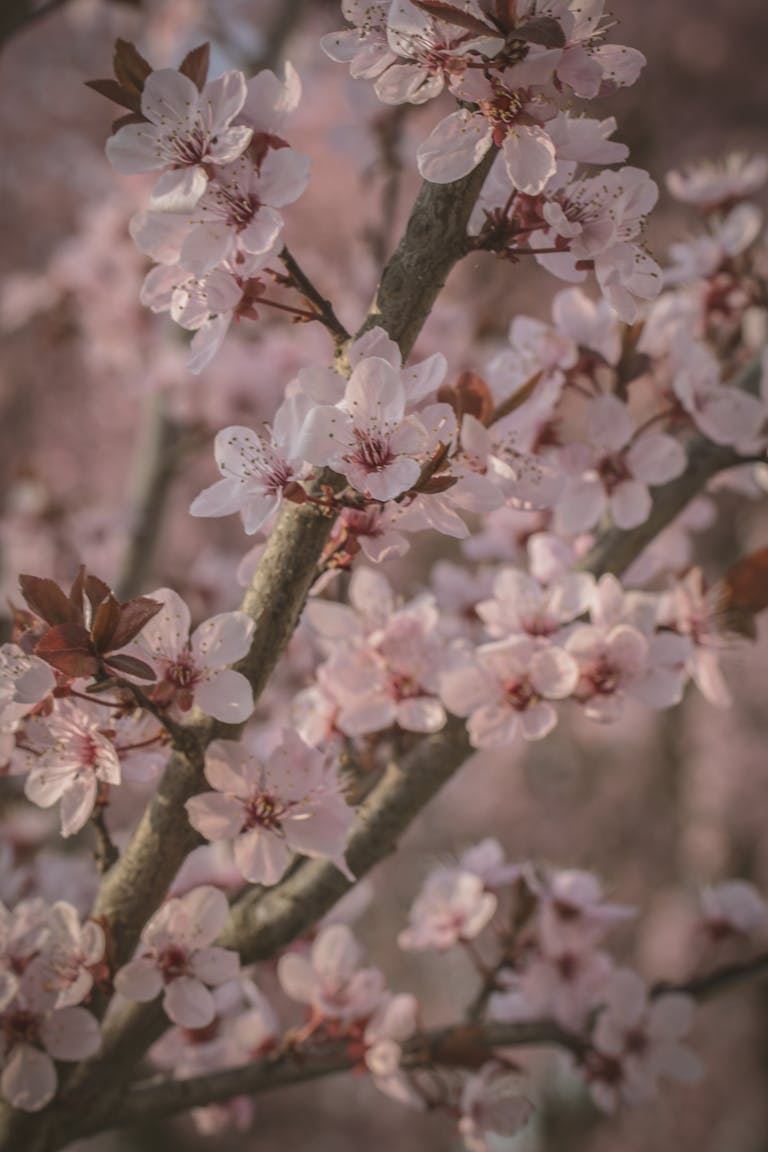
{"x":96,"y":405}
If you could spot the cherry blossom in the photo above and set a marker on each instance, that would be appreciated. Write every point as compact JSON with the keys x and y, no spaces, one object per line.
{"x":192,"y":670}
{"x":614,"y":470}
{"x":176,"y":957}
{"x":365,"y":46}
{"x":25,"y":681}
{"x":734,"y":907}
{"x":507,"y":686}
{"x":521,"y":605}
{"x":711,"y":185}
{"x":184,"y":130}
{"x":492,"y":1101}
{"x":452,"y":906}
{"x":640,"y":1039}
{"x":367,"y":437}
{"x":76,"y":757}
{"x":71,"y":952}
{"x":329,"y":980}
{"x":393,"y":1023}
{"x":291,"y":803}
{"x":256,"y":467}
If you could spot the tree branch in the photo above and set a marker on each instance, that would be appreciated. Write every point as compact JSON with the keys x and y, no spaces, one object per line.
{"x":457,"y":1045}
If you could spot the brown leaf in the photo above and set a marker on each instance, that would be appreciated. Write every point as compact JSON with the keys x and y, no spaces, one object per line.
{"x":445,"y":11}
{"x":133,"y":616}
{"x":131,"y":69}
{"x":131,"y":666}
{"x":47,"y":600}
{"x":105,"y":621}
{"x":475,"y":398}
{"x":745,"y":585}
{"x":195,"y":65}
{"x":68,"y":648}
{"x":96,"y":590}
{"x":130,"y":118}
{"x":118,"y":95}
{"x":503,"y":13}
{"x":543,"y":30}
{"x":436,"y":484}
{"x":523,"y":393}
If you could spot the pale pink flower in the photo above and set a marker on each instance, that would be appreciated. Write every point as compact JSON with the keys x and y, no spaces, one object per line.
{"x":521,"y":605}
{"x":565,"y":981}
{"x":71,"y":950}
{"x":291,"y":803}
{"x":185,"y":130}
{"x":176,"y":958}
{"x":728,"y":237}
{"x":487,"y":860}
{"x":571,"y":909}
{"x":508,"y":686}
{"x":256,"y":466}
{"x":492,"y":1101}
{"x":329,"y":980}
{"x":235,"y":224}
{"x":76,"y":757}
{"x":25,"y":681}
{"x":192,"y":670}
{"x":614,"y":469}
{"x":452,"y":906}
{"x":33,"y":1034}
{"x":734,"y":907}
{"x":693,"y":613}
{"x":508,"y":115}
{"x":368,"y":437}
{"x":725,"y":415}
{"x":204,"y":305}
{"x":640,"y":1039}
{"x":392,"y":1024}
{"x":364,"y":46}
{"x":269,"y":102}
{"x":712,"y":185}
{"x":610,"y":661}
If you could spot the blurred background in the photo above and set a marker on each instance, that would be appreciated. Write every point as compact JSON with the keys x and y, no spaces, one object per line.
{"x":97,"y":408}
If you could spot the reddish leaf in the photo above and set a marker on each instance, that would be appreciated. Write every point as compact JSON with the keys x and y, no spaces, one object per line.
{"x":131,"y":666}
{"x":105,"y":622}
{"x":543,"y":30}
{"x":96,"y":590}
{"x":746,"y":584}
{"x":47,"y":600}
{"x":131,"y":118}
{"x":503,"y":13}
{"x":112,"y":91}
{"x":445,"y":11}
{"x":475,"y":398}
{"x":131,"y":69}
{"x":133,"y":616}
{"x":436,"y":484}
{"x":68,"y":648}
{"x":195,"y":65}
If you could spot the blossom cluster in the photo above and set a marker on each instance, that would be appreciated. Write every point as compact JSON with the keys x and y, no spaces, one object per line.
{"x":213,"y":225}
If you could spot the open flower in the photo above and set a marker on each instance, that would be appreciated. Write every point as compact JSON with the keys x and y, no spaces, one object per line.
{"x":176,"y":955}
{"x":329,"y":980}
{"x":292,"y":803}
{"x":184,"y":130}
{"x":192,"y":670}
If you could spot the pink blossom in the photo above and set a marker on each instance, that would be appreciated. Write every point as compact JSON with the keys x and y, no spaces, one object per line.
{"x":192,"y":670}
{"x":508,"y":685}
{"x":364,"y":46}
{"x":572,"y":912}
{"x":392,"y":1024}
{"x":693,"y":613}
{"x":614,"y":470}
{"x":329,"y":980}
{"x":175,"y":955}
{"x":453,"y":905}
{"x":521,"y":605}
{"x":734,"y":907}
{"x":34,"y":1033}
{"x":25,"y":681}
{"x":492,"y":1101}
{"x":640,"y":1041}
{"x":185,"y":129}
{"x":292,"y":803}
{"x":71,"y":951}
{"x":76,"y":757}
{"x":565,"y":981}
{"x":368,"y":437}
{"x":256,"y":466}
{"x":714,"y":185}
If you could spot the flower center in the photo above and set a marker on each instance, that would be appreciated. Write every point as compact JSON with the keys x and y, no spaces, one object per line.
{"x":172,"y":962}
{"x":372,"y":452}
{"x":263,"y":811}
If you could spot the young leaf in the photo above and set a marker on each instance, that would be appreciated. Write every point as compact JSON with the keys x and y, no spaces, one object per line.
{"x":105,"y":622}
{"x":68,"y":648}
{"x":195,"y":65}
{"x":543,"y":30}
{"x":113,"y":91}
{"x":447,"y":12}
{"x":133,"y":616}
{"x":47,"y":600}
{"x":131,"y":69}
{"x":130,"y":666}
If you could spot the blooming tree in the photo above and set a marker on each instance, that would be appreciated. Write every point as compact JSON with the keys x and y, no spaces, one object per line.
{"x":228,"y":777}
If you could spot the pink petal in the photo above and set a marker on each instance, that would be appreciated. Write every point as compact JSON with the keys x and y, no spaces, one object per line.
{"x":227,"y":696}
{"x":224,"y":639}
{"x":28,"y":1081}
{"x":455,"y":147}
{"x":215,"y":966}
{"x":139,"y":980}
{"x":189,"y":1003}
{"x":529,"y":155}
{"x":215,"y":816}
{"x":71,"y":1034}
{"x":261,"y":856}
